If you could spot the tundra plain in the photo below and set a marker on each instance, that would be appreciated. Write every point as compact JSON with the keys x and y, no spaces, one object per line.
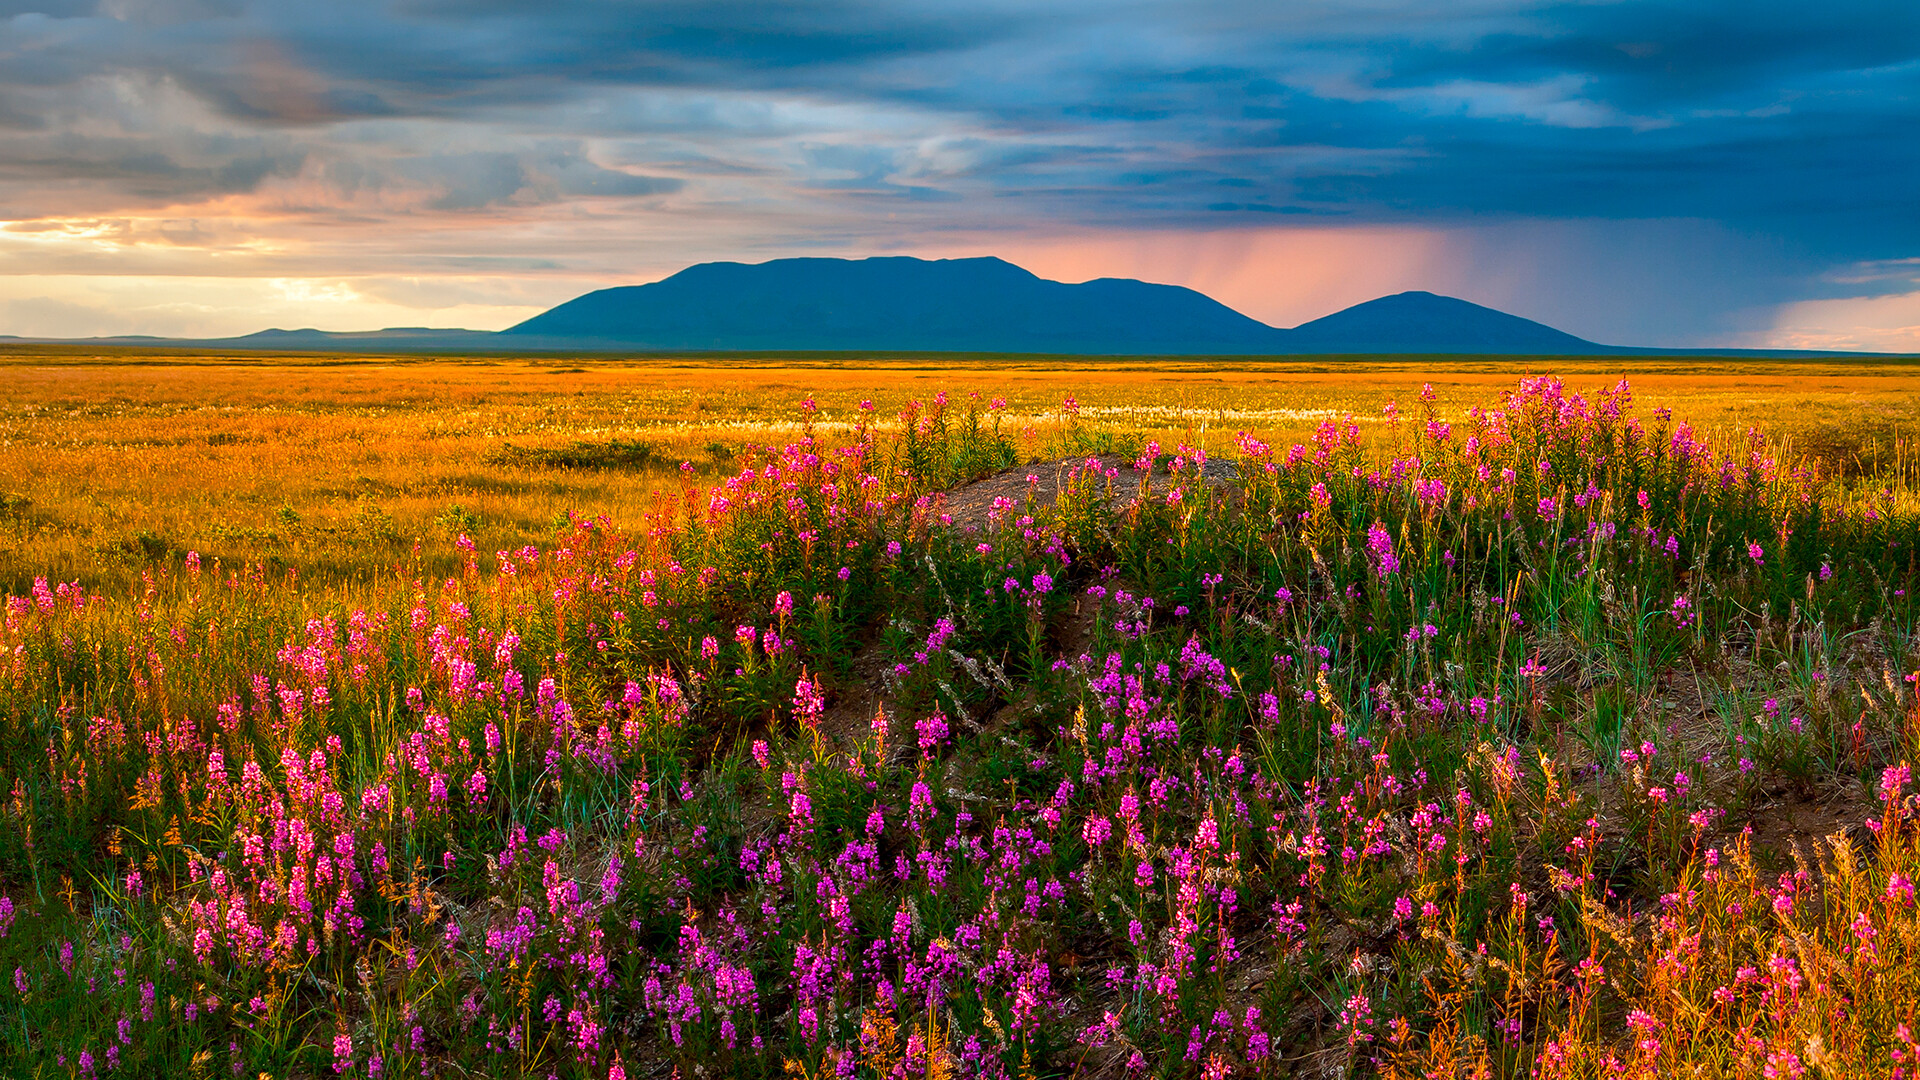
{"x":759,"y":716}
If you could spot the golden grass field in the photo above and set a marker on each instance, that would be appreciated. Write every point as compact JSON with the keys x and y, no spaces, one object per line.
{"x":1703,"y":616}
{"x":341,"y":465}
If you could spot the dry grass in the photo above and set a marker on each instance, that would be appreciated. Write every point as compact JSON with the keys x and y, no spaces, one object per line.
{"x":341,"y":466}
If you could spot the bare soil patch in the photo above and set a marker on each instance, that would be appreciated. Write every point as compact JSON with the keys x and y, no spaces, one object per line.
{"x":1035,"y":486}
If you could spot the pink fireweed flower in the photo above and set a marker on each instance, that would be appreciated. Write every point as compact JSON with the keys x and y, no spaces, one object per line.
{"x":1682,"y":611}
{"x":932,"y":732}
{"x":919,"y":804}
{"x":1899,"y":890}
{"x":1784,"y":1065}
{"x":1893,"y":781}
{"x":808,"y":702}
{"x":1380,"y":545}
{"x":1357,"y":1018}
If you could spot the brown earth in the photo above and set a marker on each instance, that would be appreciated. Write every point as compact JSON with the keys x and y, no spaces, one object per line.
{"x":1037,"y":485}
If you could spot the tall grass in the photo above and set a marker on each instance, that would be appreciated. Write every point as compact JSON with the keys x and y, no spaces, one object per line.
{"x":1434,"y":747}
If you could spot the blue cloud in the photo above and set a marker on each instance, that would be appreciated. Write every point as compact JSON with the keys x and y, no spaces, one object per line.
{"x":1788,"y":123}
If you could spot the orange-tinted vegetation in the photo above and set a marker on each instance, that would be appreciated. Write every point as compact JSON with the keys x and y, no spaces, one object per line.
{"x":444,"y":719}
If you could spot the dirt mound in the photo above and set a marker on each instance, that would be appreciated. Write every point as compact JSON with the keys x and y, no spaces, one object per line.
{"x":968,"y":506}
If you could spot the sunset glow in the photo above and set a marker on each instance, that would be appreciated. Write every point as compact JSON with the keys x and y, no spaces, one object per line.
{"x":1632,"y":173}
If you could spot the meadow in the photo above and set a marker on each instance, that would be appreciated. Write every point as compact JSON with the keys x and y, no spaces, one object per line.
{"x":595,"y":718}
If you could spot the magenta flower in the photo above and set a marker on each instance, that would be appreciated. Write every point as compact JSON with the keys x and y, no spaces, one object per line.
{"x":1380,"y":546}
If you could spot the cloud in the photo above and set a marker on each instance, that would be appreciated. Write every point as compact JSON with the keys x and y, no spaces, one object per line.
{"x":1887,"y":323}
{"x":476,"y":180}
{"x":1677,"y":143}
{"x":80,"y":306}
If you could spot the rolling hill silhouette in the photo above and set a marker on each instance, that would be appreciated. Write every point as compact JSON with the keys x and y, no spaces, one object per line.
{"x":990,"y":305}
{"x":983,"y":305}
{"x":1424,"y":322}
{"x":944,"y":305}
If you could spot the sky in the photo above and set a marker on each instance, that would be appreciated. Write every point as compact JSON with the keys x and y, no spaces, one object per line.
{"x":1682,"y":173}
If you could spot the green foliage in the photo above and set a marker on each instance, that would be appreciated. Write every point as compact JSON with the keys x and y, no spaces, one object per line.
{"x":1349,"y":754}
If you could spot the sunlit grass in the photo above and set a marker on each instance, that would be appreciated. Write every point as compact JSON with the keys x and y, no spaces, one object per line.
{"x":420,"y":721}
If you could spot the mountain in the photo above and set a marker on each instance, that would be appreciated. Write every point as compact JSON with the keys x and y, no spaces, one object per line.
{"x":1422,"y":322}
{"x":986,"y":305}
{"x":943,"y":305}
{"x":393,"y":339}
{"x":989,"y":305}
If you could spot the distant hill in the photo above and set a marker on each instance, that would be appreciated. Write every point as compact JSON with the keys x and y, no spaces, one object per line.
{"x":394,"y":339}
{"x":989,"y":305}
{"x":1421,"y":322}
{"x":985,"y":305}
{"x":942,"y":305}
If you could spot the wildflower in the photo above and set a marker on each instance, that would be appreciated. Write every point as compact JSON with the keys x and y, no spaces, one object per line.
{"x":1893,"y":781}
{"x":1900,"y":890}
{"x":1784,"y":1065}
{"x":932,"y":732}
{"x":1357,"y":1018}
{"x":1647,"y":1028}
{"x":1864,"y":930}
{"x":1380,"y":545}
{"x":808,"y":702}
{"x":1682,"y":611}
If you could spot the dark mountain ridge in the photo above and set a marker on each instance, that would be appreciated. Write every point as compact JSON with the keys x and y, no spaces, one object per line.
{"x":984,"y":305}
{"x":1425,"y":322}
{"x":898,"y":303}
{"x":990,"y":305}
